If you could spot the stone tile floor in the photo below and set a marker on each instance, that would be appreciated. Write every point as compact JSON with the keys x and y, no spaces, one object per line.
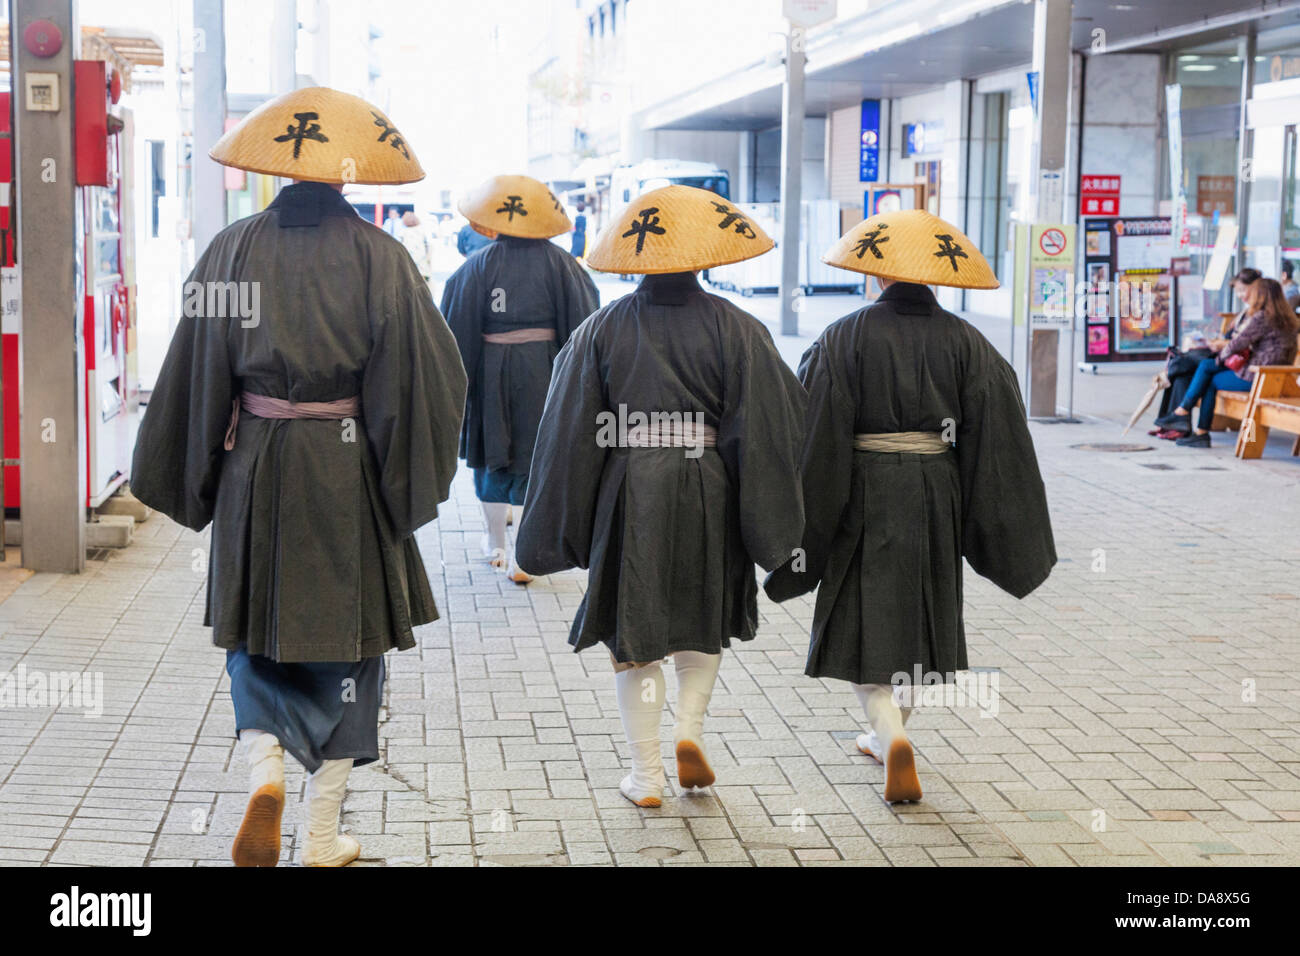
{"x":1148,"y":710}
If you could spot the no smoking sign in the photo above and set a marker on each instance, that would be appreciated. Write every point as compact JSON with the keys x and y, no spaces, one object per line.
{"x":1052,"y":242}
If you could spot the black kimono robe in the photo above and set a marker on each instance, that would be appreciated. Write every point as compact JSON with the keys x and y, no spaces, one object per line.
{"x":513,"y":284}
{"x":312,"y":554}
{"x":670,"y":538}
{"x":886,"y":532}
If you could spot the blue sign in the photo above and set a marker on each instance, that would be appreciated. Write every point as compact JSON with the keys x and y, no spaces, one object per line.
{"x":1032,"y":77}
{"x":869,"y":142}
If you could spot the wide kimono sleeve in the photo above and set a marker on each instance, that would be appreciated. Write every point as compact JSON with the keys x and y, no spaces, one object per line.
{"x":760,"y":434}
{"x":826,"y":463}
{"x":1006,"y":529}
{"x":179,"y":450}
{"x":463,"y":299}
{"x":576,"y":298}
{"x":568,"y":462}
{"x":412,"y":396}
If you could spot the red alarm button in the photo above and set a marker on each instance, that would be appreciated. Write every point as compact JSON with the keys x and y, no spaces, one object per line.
{"x":42,"y":38}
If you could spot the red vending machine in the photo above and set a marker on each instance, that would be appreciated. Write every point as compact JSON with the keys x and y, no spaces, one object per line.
{"x":102,"y":154}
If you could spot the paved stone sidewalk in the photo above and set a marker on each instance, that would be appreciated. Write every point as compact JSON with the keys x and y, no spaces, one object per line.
{"x":1149,"y":708}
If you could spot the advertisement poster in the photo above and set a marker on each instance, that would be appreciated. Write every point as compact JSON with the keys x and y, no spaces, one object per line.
{"x":1097,"y":239}
{"x":1143,"y":244}
{"x":1098,"y":340}
{"x":1145,"y":321}
{"x":1097,"y":307}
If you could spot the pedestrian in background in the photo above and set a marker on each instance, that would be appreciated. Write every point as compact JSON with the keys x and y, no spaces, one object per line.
{"x":393,"y":224}
{"x":316,"y":436}
{"x":512,"y":306}
{"x":578,"y":247}
{"x":917,"y":455}
{"x":1289,"y":288}
{"x":671,"y":513}
{"x":416,"y":241}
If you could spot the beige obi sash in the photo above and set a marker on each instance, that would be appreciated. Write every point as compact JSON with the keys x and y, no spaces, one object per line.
{"x":673,"y":434}
{"x":916,"y":443}
{"x":263,"y":406}
{"x":519,"y":336}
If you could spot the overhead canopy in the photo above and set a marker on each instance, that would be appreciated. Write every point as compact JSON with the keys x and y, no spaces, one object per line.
{"x":125,"y":49}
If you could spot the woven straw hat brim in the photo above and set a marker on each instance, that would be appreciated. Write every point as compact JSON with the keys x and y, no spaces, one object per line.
{"x":320,"y":135}
{"x":518,"y":206}
{"x":912,"y":245}
{"x":677,"y":229}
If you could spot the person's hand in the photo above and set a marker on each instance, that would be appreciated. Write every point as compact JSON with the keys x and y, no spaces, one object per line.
{"x":1217,"y":344}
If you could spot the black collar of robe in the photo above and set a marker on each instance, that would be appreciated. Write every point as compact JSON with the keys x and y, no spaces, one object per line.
{"x":909,"y":298}
{"x":306,"y":204}
{"x":669,"y":288}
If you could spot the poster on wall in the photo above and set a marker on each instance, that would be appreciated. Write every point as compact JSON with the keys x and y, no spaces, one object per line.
{"x":1144,"y":321}
{"x":1143,"y":244}
{"x":1051,"y":260}
{"x":1097,"y":306}
{"x":1098,"y":340}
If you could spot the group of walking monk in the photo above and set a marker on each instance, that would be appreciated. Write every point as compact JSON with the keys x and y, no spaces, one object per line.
{"x":659,"y":442}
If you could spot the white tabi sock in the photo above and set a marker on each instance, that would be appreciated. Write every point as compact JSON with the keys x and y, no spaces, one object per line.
{"x":324,"y":845}
{"x":494,"y":539}
{"x":640,"y":704}
{"x":258,"y":841}
{"x":514,"y":572}
{"x":888,"y":742}
{"x":696,"y":674}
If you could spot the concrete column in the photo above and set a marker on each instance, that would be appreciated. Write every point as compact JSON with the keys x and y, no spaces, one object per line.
{"x":209,"y":119}
{"x":953,"y":170}
{"x":792,"y":106}
{"x":1052,"y":63}
{"x":53,"y":437}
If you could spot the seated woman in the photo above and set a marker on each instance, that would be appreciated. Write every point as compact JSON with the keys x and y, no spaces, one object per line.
{"x":1267,"y":337}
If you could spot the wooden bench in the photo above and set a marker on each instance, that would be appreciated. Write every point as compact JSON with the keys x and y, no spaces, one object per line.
{"x":1230,"y":408}
{"x":1274,"y":402}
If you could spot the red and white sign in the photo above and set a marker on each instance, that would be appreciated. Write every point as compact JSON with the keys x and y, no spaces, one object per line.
{"x":1052,"y":242}
{"x":1099,"y":196}
{"x":809,"y":13}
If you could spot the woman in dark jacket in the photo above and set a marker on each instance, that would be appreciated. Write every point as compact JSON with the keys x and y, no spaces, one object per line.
{"x":666,"y":463}
{"x":1267,"y":337}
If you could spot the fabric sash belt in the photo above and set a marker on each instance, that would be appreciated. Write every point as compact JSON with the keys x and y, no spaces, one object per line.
{"x":263,"y":406}
{"x":917,"y":443}
{"x":520,"y":336}
{"x":673,"y":434}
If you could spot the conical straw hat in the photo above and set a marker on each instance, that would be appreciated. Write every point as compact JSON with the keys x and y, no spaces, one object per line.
{"x":911,"y":245}
{"x":515,"y":206}
{"x":677,"y":229}
{"x":321,"y":135}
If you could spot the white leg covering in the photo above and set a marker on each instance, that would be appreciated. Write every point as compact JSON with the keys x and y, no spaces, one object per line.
{"x":258,"y":841}
{"x":887,"y":742}
{"x":515,"y":572}
{"x":494,"y":539}
{"x":324,"y":845}
{"x":640,"y":704}
{"x":696,"y":674}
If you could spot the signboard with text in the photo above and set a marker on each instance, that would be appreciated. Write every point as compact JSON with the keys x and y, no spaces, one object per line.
{"x":869,"y":142}
{"x":1099,"y":196}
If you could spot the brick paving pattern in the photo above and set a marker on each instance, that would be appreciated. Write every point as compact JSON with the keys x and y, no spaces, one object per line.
{"x":1149,"y":711}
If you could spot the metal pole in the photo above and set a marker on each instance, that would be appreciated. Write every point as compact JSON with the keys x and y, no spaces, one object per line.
{"x":1052,"y":22}
{"x":1245,"y":144}
{"x":791,"y":177}
{"x":53,"y":442}
{"x":209,"y":119}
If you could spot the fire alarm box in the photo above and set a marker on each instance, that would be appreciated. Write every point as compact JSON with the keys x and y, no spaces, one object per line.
{"x":90,"y":84}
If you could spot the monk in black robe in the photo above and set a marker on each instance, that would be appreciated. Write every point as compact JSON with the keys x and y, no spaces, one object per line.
{"x":666,"y":464}
{"x":319,"y":332}
{"x":917,"y":455}
{"x":512,"y":306}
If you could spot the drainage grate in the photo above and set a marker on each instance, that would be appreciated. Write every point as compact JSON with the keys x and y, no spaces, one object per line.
{"x":1112,"y":446}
